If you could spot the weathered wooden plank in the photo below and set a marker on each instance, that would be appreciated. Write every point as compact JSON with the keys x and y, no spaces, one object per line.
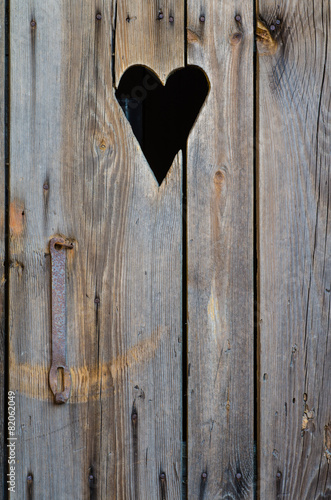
{"x":2,"y":241}
{"x":220,"y":255}
{"x":151,"y":34}
{"x":294,"y":249}
{"x":77,"y":170}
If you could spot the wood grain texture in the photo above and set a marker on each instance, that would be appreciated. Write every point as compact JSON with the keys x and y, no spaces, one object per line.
{"x":2,"y":240}
{"x":124,"y":351}
{"x":142,"y":37}
{"x":220,"y":255}
{"x":294,"y":250}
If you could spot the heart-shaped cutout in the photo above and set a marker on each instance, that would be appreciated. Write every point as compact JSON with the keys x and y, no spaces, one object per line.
{"x":161,"y":117}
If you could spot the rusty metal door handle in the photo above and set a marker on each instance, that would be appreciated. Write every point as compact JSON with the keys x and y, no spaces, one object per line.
{"x":60,"y":383}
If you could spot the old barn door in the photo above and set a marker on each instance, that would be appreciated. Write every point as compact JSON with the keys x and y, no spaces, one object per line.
{"x":146,"y":296}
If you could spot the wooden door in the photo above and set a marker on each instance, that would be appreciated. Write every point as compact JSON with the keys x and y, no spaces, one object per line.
{"x":197,"y":306}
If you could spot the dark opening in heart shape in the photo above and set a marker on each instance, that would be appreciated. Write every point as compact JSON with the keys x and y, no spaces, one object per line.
{"x":161,"y":117}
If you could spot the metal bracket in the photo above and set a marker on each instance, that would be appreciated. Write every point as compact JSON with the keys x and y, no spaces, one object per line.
{"x":60,"y":383}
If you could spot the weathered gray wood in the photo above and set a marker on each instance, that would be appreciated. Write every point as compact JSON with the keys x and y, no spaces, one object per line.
{"x":220,"y":255}
{"x":2,"y":242}
{"x":144,"y":35}
{"x":124,"y":351}
{"x":294,"y":249}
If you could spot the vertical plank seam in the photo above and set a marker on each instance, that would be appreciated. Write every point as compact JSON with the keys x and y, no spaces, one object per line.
{"x":113,"y":44}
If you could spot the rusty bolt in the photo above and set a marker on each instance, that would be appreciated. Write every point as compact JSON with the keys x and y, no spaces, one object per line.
{"x":162,"y":476}
{"x":204,"y":475}
{"x":238,"y":475}
{"x":171,"y":19}
{"x":272,"y":27}
{"x":98,"y":17}
{"x":202,"y":19}
{"x":46,"y":186}
{"x":238,"y":18}
{"x":33,"y":23}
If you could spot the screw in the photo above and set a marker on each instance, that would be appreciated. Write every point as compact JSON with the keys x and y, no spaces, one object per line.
{"x":238,"y":18}
{"x":278,"y":21}
{"x":46,"y":186}
{"x":98,"y":17}
{"x":279,"y":475}
{"x":202,"y":19}
{"x":134,"y":417}
{"x":171,"y":19}
{"x":33,"y":24}
{"x":160,"y":16}
{"x":204,"y":475}
{"x":29,"y":478}
{"x":97,"y":300}
{"x":238,"y":475}
{"x":272,"y":27}
{"x":162,"y":476}
{"x":128,"y":19}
